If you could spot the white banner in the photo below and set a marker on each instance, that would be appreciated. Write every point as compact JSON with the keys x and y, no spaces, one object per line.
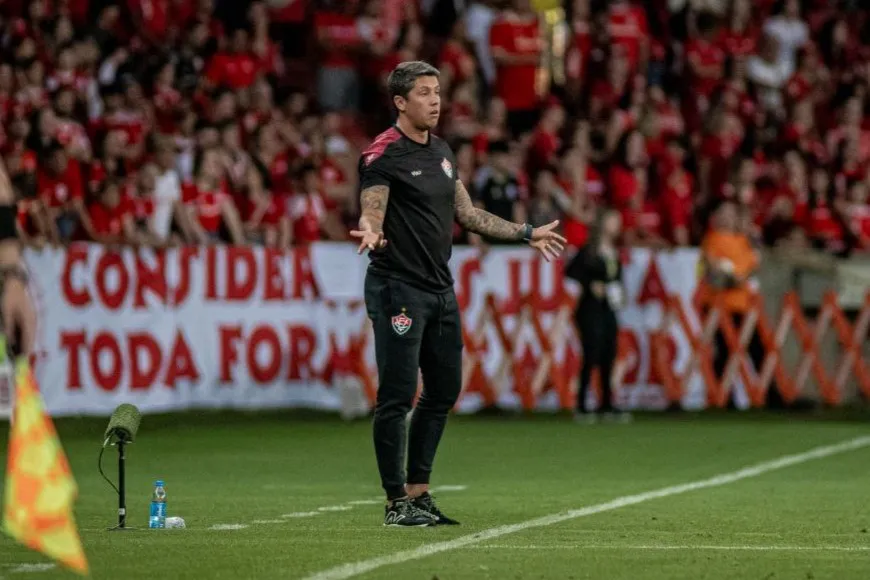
{"x":253,"y":328}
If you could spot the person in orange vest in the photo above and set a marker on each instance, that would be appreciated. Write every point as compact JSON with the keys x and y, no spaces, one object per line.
{"x":729,"y":262}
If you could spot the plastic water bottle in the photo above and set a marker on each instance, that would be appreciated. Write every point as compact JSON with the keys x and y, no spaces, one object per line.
{"x":158,"y":506}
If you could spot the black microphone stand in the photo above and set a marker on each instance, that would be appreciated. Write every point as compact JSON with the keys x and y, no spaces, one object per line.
{"x":121,"y":443}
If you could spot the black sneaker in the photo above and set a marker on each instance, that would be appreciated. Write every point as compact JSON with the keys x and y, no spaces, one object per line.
{"x":426,"y":503}
{"x":403,"y":512}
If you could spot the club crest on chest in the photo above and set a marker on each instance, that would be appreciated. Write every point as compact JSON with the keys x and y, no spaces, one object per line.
{"x":447,"y":167}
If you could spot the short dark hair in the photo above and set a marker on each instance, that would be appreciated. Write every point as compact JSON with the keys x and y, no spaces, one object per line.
{"x":305,"y":169}
{"x":499,"y":146}
{"x":403,"y":77}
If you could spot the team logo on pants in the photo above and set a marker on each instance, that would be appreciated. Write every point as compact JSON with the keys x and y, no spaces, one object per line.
{"x":447,"y":167}
{"x":401,"y":323}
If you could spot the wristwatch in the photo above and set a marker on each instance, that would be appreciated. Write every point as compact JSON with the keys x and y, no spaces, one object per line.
{"x":527,"y":233}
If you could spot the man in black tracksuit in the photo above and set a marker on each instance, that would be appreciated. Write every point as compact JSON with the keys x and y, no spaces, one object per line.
{"x":410,"y":197}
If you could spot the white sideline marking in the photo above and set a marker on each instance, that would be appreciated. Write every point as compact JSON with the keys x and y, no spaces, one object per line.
{"x":365,"y":502}
{"x":25,"y":568}
{"x":268,"y":522}
{"x":356,"y":568}
{"x":229,"y":527}
{"x":450,"y":488}
{"x":334,"y":508}
{"x":301,"y":515}
{"x":685,"y":547}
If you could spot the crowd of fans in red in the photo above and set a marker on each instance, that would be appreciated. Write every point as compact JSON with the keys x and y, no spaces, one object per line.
{"x":155,"y":122}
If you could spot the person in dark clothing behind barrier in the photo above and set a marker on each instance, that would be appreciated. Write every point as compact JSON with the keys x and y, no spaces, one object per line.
{"x":598,"y":270}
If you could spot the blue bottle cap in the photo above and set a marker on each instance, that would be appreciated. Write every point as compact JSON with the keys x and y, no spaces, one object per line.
{"x":158,"y":483}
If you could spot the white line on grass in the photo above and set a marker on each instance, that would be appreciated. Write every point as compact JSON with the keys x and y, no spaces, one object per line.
{"x":27,"y":568}
{"x":450,"y":488}
{"x":365,"y":502}
{"x":356,"y":568}
{"x":301,"y":515}
{"x":334,"y":508}
{"x":222,"y":527}
{"x":665,"y":547}
{"x":268,"y":522}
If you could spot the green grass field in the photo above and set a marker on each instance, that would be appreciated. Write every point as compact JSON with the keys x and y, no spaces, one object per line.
{"x":809,"y":520}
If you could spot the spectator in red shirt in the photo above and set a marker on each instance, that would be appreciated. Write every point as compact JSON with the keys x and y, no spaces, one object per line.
{"x":628,"y":28}
{"x":795,"y":187}
{"x":66,"y":74}
{"x":20,"y":160}
{"x":410,"y":45}
{"x":455,"y":62}
{"x":209,"y":205}
{"x":801,"y":132}
{"x":70,"y":132}
{"x":236,"y":161}
{"x":333,"y":176}
{"x":809,"y":79}
{"x":516,"y":48}
{"x":579,"y":55}
{"x":859,"y":212}
{"x":272,"y":161}
{"x":61,"y":190}
{"x":825,"y":221}
{"x":268,"y":54}
{"x":545,"y":143}
{"x":150,"y":18}
{"x":202,"y":13}
{"x":337,"y":78}
{"x":120,"y":114}
{"x":706,"y":62}
{"x":626,"y":178}
{"x":850,"y":128}
{"x":740,"y":36}
{"x":606,"y":93}
{"x":265,"y":215}
{"x":236,"y":68}
{"x":311,"y":216}
{"x":494,"y":129}
{"x":141,"y":196}
{"x":849,"y":163}
{"x":582,"y":184}
{"x":643,"y":223}
{"x":677,"y":195}
{"x":166,"y":98}
{"x":111,"y":216}
{"x":716,"y":150}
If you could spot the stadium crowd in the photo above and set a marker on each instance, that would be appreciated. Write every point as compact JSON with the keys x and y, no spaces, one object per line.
{"x":157,"y":122}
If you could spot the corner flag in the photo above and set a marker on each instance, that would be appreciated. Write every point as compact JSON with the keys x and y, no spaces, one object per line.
{"x":40,"y":489}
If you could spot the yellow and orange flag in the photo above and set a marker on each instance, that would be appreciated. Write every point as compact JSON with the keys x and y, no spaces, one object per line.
{"x":40,"y":489}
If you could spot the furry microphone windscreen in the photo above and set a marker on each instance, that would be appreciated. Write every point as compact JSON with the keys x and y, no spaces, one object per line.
{"x":124,"y":422}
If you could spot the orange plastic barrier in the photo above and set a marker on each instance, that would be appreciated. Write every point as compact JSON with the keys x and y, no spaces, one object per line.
{"x":554,"y":363}
{"x":757,"y":382}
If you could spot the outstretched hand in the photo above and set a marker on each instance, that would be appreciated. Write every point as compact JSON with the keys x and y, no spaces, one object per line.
{"x":369,"y":240}
{"x":547,"y":241}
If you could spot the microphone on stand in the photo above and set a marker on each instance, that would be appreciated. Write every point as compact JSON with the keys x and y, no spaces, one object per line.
{"x":123,"y":426}
{"x":124,"y":423}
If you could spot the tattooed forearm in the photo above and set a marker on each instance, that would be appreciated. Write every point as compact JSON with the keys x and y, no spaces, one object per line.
{"x":479,"y":221}
{"x":373,"y":205}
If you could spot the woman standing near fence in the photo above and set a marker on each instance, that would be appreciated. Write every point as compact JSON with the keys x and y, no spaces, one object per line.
{"x":598,"y":270}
